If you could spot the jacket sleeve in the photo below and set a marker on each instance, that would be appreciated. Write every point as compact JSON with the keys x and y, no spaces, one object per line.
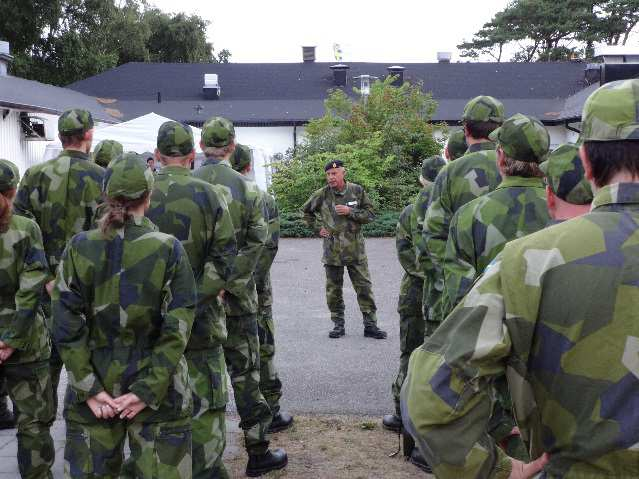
{"x":22,"y":203}
{"x":447,"y":395}
{"x":178,"y":299}
{"x":363,"y":213}
{"x":70,"y":331}
{"x":33,"y":276}
{"x":309,"y":211}
{"x":404,"y":243}
{"x":272,"y":214}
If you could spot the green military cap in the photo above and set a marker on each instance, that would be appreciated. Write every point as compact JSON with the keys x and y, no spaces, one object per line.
{"x":431,"y":167}
{"x":565,"y":175}
{"x":128,"y":176}
{"x":611,"y":113}
{"x":241,"y":157}
{"x":75,"y":121}
{"x":523,"y":138}
{"x":484,"y":108}
{"x":175,"y":139}
{"x":456,"y":144}
{"x":217,"y":132}
{"x":105,"y":151}
{"x":9,"y":175}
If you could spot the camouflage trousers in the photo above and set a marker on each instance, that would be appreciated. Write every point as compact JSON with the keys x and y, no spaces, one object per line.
{"x":55,"y":367}
{"x":158,"y":450}
{"x":411,"y":328}
{"x":207,"y":377}
{"x":242,"y":354}
{"x":270,"y":383}
{"x":502,"y":422}
{"x":361,"y":280}
{"x":29,"y":387}
{"x":431,"y":300}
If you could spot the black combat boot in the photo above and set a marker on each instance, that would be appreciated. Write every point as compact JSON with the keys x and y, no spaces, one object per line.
{"x":7,"y":419}
{"x":337,"y":332}
{"x":372,"y":331}
{"x":267,"y":462}
{"x":392,"y":422}
{"x":281,"y":421}
{"x":418,"y":460}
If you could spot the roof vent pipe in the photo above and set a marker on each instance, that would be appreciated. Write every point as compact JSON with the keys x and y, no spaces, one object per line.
{"x":398,"y":73}
{"x":308,"y":54}
{"x":211,"y":88}
{"x":444,"y":57}
{"x":5,"y":58}
{"x":339,"y":74}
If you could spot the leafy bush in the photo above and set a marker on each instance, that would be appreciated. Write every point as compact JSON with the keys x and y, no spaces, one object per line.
{"x":292,"y":225}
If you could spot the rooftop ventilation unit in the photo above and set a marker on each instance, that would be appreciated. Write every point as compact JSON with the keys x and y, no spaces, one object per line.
{"x":211,"y":88}
{"x":5,"y":58}
{"x":444,"y":57}
{"x":308,"y":54}
{"x":339,"y":74}
{"x":398,"y":73}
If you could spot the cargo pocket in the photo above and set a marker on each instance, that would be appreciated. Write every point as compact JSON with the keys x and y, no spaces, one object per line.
{"x":78,"y":462}
{"x":173,"y":452}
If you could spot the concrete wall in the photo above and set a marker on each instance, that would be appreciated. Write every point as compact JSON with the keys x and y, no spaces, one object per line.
{"x":13,"y":145}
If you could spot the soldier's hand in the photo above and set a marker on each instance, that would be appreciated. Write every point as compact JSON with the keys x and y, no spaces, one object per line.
{"x":221,"y":294}
{"x":324,"y":233}
{"x":5,"y":353}
{"x":343,"y":210}
{"x":521,"y":470}
{"x":129,"y":405}
{"x":49,"y":287}
{"x":102,"y":405}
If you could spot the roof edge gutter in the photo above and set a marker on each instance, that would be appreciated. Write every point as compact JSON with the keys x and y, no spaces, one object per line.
{"x":41,"y":109}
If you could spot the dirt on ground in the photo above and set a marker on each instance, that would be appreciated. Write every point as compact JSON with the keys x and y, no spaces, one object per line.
{"x":336,"y":447}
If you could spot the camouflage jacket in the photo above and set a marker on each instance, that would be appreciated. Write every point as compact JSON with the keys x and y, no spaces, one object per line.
{"x":197,"y":214}
{"x":459,"y":182}
{"x":123,"y":308}
{"x":346,"y":243}
{"x":404,"y":241}
{"x":420,"y":206}
{"x":62,"y":196}
{"x":262,"y":272}
{"x":245,"y":205}
{"x":23,"y":274}
{"x":557,"y":313}
{"x":480,"y":230}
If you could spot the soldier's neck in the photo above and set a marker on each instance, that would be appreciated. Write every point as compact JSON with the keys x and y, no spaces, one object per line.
{"x":476,"y":141}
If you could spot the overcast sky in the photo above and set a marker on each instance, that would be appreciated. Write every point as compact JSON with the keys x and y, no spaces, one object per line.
{"x":392,"y":32}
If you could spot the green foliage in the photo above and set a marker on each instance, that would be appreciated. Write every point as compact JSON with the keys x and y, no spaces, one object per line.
{"x":552,"y":30}
{"x":381,"y":141}
{"x":62,"y":41}
{"x":292,"y":225}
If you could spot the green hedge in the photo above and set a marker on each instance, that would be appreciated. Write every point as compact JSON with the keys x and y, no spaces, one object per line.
{"x":292,"y":225}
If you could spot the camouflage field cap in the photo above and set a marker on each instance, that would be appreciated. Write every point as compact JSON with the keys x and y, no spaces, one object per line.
{"x":431,"y":167}
{"x":611,"y":113}
{"x":565,"y":175}
{"x":175,"y":139}
{"x":105,"y":151}
{"x":241,"y":157}
{"x":128,"y":176}
{"x":9,"y":175}
{"x":218,"y":132}
{"x":523,"y":138}
{"x":484,"y":108}
{"x":456,"y":144}
{"x":75,"y":121}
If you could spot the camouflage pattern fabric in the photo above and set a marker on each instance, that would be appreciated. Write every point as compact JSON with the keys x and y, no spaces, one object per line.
{"x":523,"y":138}
{"x":123,"y":308}
{"x":482,"y":109}
{"x":106,"y":151}
{"x":158,"y":450}
{"x":555,"y":313}
{"x":75,"y":121}
{"x":128,"y":177}
{"x":456,"y":144}
{"x":175,"y":139}
{"x":345,"y":245}
{"x":431,"y":167}
{"x":9,"y":175}
{"x":565,"y":175}
{"x":361,"y":281}
{"x":409,"y":307}
{"x":241,"y":157}
{"x":217,"y":132}
{"x":459,"y":182}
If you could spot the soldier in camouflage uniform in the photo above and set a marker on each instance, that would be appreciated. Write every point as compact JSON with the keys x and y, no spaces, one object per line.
{"x":270,"y":383}
{"x":105,"y":151}
{"x":241,"y":349}
{"x":409,"y":307}
{"x":338,"y":211}
{"x":196,"y":213}
{"x":557,"y":313}
{"x":123,"y":307}
{"x":456,"y":145}
{"x":62,"y":195}
{"x":24,"y":340}
{"x":461,"y":181}
{"x":568,"y":193}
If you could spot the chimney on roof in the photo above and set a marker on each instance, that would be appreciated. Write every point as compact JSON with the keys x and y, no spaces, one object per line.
{"x":308,"y":54}
{"x":211,"y":88}
{"x":444,"y":57}
{"x":398,"y":73}
{"x":339,"y":74}
{"x":5,"y":58}
{"x":618,"y":62}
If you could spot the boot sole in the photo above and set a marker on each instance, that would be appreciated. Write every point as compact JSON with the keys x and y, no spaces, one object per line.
{"x":281,"y":428}
{"x":391,"y":428}
{"x":374,"y":336}
{"x":424,"y":467}
{"x":266,"y":470}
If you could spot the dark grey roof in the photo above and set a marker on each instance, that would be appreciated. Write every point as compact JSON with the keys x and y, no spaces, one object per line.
{"x":39,"y":97}
{"x":287,"y":93}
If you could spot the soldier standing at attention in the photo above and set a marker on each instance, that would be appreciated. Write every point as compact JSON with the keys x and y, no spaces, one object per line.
{"x":105,"y":151}
{"x":62,"y":195}
{"x":197,"y":214}
{"x":557,"y":312}
{"x":24,"y":340}
{"x":339,"y":210}
{"x":270,"y":383}
{"x":461,"y":181}
{"x":241,"y":349}
{"x":123,"y":308}
{"x":568,"y":193}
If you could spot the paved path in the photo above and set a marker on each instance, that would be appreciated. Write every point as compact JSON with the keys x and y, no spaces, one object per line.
{"x":351,"y":375}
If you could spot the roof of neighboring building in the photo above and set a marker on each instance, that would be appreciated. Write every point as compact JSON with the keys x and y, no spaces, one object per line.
{"x":30,"y":95}
{"x":289,"y":93}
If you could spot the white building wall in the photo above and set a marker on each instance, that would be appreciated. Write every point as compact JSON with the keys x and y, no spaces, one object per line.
{"x":13,"y":145}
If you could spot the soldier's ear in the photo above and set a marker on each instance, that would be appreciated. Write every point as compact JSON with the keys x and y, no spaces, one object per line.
{"x":585,"y":161}
{"x":550,"y":198}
